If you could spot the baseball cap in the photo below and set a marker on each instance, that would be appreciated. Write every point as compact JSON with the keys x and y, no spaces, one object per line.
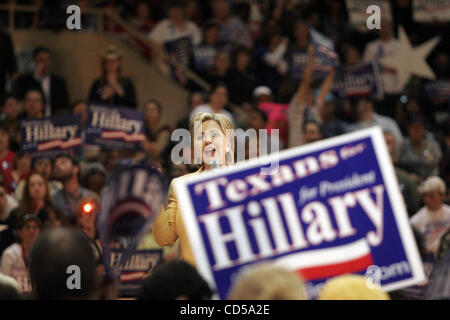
{"x":262,"y":90}
{"x":28,"y":217}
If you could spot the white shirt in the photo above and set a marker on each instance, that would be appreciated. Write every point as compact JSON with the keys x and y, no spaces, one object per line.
{"x":45,"y":85}
{"x":207,"y":108}
{"x":386,"y":124}
{"x":13,"y":265}
{"x":432,"y":225}
{"x":375,"y":50}
{"x":166,"y":31}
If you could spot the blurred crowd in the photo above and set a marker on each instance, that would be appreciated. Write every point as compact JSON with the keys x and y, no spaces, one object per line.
{"x":243,"y":49}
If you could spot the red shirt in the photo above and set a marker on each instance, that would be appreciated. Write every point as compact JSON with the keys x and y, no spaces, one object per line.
{"x":7,"y":167}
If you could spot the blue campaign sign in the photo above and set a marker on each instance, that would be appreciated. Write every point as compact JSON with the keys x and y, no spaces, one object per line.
{"x":115,"y":127}
{"x":48,"y":137}
{"x":329,"y":208}
{"x":361,"y":79}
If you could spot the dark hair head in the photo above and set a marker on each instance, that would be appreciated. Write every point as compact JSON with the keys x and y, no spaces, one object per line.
{"x":72,"y":159}
{"x":155,"y":102}
{"x":58,"y":253}
{"x":216,"y":86}
{"x":5,"y":98}
{"x":317,"y":124}
{"x":27,"y":202}
{"x":172,"y":280}
{"x":39,"y":91}
{"x":44,"y":215}
{"x":38,"y":50}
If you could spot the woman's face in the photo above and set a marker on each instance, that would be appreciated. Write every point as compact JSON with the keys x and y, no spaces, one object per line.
{"x":242,"y":61}
{"x":11,"y":108}
{"x":37,"y":187}
{"x":151,"y":112}
{"x":29,"y":232}
{"x":219,"y":98}
{"x":211,"y":36}
{"x":213,"y":143}
{"x":112,"y":65}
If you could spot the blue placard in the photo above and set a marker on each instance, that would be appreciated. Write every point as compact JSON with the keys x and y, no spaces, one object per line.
{"x":115,"y":127}
{"x":48,"y":137}
{"x":331,"y":207}
{"x":362,"y":79}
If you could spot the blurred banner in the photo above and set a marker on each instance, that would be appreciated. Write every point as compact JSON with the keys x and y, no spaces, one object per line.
{"x":431,"y":10}
{"x":52,"y":136}
{"x":131,"y":199}
{"x":181,"y":50}
{"x":362,"y":79}
{"x":357,"y":12}
{"x":324,"y":57}
{"x":332,"y":207}
{"x":115,"y":127}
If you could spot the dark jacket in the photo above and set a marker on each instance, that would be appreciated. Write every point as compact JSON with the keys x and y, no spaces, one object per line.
{"x":128,"y":100}
{"x":8,"y":63}
{"x":59,"y":98}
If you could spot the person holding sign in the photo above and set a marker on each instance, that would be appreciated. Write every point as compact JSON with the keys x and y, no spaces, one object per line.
{"x":209,"y":134}
{"x":304,"y":97}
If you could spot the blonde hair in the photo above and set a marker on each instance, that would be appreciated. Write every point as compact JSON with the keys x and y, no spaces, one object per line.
{"x":266,"y":281}
{"x":225,"y":126}
{"x":431,"y":184}
{"x":351,"y":287}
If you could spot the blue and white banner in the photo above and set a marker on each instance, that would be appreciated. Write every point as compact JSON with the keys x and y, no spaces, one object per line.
{"x":181,"y":50}
{"x":115,"y":127}
{"x":362,"y":79}
{"x":138,"y":266}
{"x":437,"y":90}
{"x":131,"y":199}
{"x":204,"y":57}
{"x":431,"y":10}
{"x":324,"y":57}
{"x":52,"y":136}
{"x":331,"y":207}
{"x":357,"y":12}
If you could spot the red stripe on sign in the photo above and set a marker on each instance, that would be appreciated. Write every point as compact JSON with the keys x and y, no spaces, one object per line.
{"x":328,"y":271}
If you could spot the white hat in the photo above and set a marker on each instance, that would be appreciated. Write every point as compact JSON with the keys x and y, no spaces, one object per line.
{"x":431,"y":184}
{"x":262,"y":90}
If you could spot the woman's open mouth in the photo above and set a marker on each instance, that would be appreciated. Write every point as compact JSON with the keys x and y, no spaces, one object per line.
{"x":210,"y":151}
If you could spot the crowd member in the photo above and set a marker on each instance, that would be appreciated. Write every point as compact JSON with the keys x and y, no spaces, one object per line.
{"x":217,"y":149}
{"x":53,"y":87}
{"x":7,"y":204}
{"x":176,"y":27}
{"x":112,"y":88}
{"x":385,"y":46}
{"x":351,"y":287}
{"x":51,"y":217}
{"x":157,"y":133}
{"x":94,"y":177}
{"x":304,"y":100}
{"x":33,"y":105}
{"x":232,"y":30}
{"x":175,"y":280}
{"x":269,"y":62}
{"x":419,"y":153}
{"x":142,"y":21}
{"x":43,"y":166}
{"x":22,"y":168}
{"x":408,"y":187}
{"x":196,"y":98}
{"x":251,"y":283}
{"x":67,"y":171}
{"x":218,"y":101}
{"x":9,"y":118}
{"x":242,"y":81}
{"x":433,"y":220}
{"x":205,"y":53}
{"x":14,"y":261}
{"x":220,"y":72}
{"x":8,"y":63}
{"x":52,"y":253}
{"x":7,"y":158}
{"x":367,"y":117}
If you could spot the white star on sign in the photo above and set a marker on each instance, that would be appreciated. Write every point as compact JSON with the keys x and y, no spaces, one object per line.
{"x":408,"y":61}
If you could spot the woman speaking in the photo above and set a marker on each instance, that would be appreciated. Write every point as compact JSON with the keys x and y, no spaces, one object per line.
{"x":215,"y":134}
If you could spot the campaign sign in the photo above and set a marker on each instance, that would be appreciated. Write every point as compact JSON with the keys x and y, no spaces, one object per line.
{"x":431,"y":10}
{"x":115,"y":127}
{"x":137,"y":267}
{"x":52,"y":136}
{"x":362,"y":79}
{"x":331,"y":207}
{"x":132,"y":197}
